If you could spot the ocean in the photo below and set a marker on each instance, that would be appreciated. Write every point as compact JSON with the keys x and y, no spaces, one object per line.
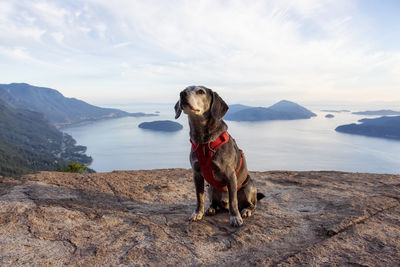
{"x":297,"y":145}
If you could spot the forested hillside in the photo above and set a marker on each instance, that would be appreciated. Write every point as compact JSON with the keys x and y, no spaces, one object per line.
{"x":28,"y":143}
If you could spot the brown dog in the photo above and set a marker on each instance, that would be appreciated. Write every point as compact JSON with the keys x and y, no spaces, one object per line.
{"x":216,"y":157}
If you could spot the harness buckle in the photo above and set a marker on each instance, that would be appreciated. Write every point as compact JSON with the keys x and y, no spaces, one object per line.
{"x":212,"y":150}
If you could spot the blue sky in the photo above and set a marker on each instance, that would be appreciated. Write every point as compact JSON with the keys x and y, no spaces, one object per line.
{"x":256,"y":52}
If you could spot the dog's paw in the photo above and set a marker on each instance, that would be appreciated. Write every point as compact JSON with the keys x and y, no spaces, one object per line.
{"x":236,"y":221}
{"x":211,"y":211}
{"x":196,"y":216}
{"x":245,"y":213}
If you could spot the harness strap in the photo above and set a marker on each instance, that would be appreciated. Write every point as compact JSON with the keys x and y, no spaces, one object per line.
{"x":205,"y":154}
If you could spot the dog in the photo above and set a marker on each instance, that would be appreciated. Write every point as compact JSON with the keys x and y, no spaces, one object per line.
{"x":216,"y":158}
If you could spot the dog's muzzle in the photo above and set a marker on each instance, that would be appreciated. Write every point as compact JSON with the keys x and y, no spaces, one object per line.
{"x":184,"y":102}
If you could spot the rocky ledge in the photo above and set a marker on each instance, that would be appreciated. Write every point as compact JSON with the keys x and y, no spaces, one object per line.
{"x":131,"y":218}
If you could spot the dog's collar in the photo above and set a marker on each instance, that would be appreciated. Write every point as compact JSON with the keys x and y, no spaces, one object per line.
{"x":205,"y":154}
{"x":213,"y":145}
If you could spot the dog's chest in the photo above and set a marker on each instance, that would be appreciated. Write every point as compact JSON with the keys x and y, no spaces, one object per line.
{"x":197,"y":168}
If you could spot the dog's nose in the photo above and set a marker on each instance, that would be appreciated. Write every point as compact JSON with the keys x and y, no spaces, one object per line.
{"x":183,"y":94}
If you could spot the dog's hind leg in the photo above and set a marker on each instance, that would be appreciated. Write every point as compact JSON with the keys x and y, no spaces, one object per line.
{"x":247,"y":212}
{"x":218,"y":201}
{"x":212,"y":210}
{"x":247,"y":197}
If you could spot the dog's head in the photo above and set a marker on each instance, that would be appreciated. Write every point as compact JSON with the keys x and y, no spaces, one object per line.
{"x":200,"y":101}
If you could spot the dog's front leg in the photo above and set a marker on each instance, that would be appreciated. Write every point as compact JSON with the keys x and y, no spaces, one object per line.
{"x":199,"y":184}
{"x":235,"y":219}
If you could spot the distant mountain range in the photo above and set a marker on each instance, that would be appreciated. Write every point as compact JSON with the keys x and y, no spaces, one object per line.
{"x":385,"y":127}
{"x":283,"y":110}
{"x":335,"y":111}
{"x":382,"y":112}
{"x":237,"y":107}
{"x":59,"y":110}
{"x":29,"y":143}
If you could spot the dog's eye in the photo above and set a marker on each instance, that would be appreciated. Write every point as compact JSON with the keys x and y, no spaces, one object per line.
{"x":200,"y":92}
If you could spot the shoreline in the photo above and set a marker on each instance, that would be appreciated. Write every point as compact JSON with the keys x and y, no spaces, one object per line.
{"x":62,"y":126}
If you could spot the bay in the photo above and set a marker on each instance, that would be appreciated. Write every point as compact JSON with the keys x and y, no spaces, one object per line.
{"x":298,"y":145}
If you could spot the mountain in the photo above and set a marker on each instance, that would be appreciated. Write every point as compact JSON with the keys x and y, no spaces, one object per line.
{"x":283,"y":110}
{"x":60,"y":110}
{"x":29,"y":143}
{"x":382,"y":112}
{"x":162,"y":126}
{"x":236,"y":107}
{"x":384,"y":127}
{"x":254,"y":114}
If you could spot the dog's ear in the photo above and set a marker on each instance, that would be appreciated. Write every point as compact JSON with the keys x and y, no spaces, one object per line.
{"x":178,"y":109}
{"x":218,"y":107}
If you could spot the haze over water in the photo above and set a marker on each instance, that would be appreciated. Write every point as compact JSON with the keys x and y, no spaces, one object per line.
{"x":301,"y":145}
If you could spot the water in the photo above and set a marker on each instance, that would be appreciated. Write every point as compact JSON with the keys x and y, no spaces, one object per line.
{"x":311,"y":144}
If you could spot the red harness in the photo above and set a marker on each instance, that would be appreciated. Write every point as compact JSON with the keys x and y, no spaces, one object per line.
{"x":205,"y":154}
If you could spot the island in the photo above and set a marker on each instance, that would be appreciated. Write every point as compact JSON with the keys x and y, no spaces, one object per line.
{"x":237,"y":107}
{"x":329,"y":116}
{"x":382,"y":112}
{"x":335,"y":111}
{"x":383,"y":127}
{"x":161,"y":126}
{"x":283,"y":110}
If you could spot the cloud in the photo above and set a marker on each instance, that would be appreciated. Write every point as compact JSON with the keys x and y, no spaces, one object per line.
{"x":302,"y":49}
{"x":58,"y":36}
{"x":18,"y":53}
{"x":123,"y":44}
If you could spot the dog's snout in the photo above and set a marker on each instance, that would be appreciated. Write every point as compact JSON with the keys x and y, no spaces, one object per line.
{"x":183,"y":94}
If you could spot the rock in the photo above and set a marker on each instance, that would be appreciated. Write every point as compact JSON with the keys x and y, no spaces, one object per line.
{"x":163,"y":126}
{"x":141,"y":218}
{"x":329,"y":116}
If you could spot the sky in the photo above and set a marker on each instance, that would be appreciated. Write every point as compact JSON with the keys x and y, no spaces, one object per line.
{"x":251,"y":52}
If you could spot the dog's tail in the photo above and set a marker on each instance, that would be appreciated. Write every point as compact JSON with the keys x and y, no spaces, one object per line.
{"x":260,"y":196}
